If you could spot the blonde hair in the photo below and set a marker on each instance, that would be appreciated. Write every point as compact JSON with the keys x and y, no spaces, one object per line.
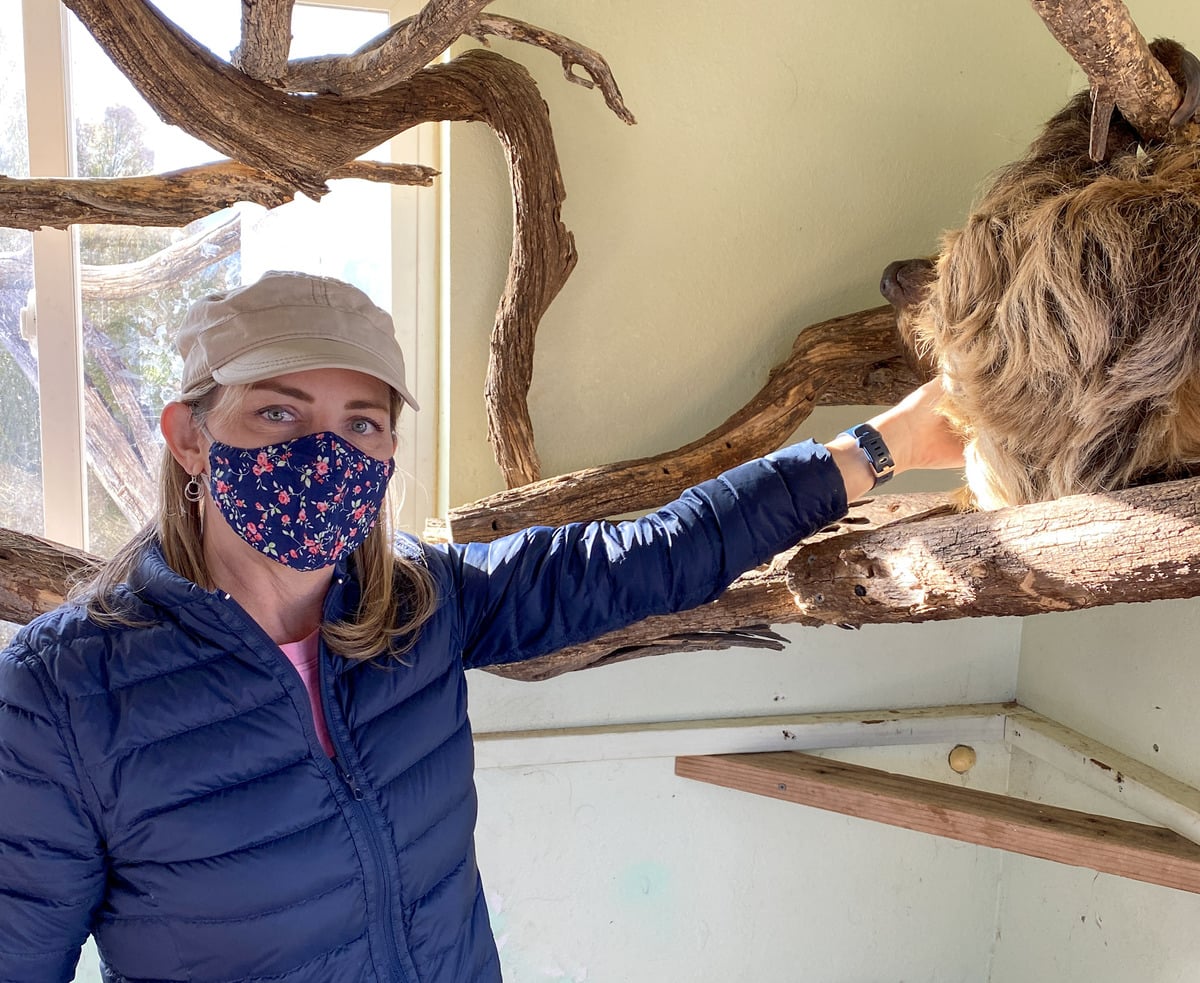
{"x":397,"y":595}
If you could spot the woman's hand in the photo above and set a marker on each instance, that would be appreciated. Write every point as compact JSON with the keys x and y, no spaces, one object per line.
{"x":916,"y":435}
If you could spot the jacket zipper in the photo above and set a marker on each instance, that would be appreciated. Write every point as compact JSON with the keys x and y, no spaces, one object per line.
{"x":357,"y":795}
{"x":363,"y":808}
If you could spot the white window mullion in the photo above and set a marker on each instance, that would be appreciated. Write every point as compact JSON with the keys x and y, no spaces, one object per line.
{"x":415,"y":306}
{"x":56,"y":280}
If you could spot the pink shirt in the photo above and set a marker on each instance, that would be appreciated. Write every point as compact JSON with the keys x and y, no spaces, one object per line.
{"x":303,"y":655}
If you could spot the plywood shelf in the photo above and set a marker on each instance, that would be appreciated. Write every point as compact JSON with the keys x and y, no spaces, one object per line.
{"x":1136,"y":850}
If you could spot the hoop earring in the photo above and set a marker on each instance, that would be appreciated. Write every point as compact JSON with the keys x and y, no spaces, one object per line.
{"x":193,"y":491}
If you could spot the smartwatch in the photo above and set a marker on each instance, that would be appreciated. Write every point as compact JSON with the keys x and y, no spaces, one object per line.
{"x":871,"y":443}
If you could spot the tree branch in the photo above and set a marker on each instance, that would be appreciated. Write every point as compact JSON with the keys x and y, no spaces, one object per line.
{"x":758,"y":597}
{"x":1138,"y":544}
{"x":164,"y":269}
{"x":571,"y":52}
{"x":858,"y":353}
{"x":266,"y":39}
{"x":299,"y":142}
{"x":173,"y":199}
{"x":895,"y":558}
{"x":214,"y":102}
{"x":121,"y":281}
{"x":120,"y":470}
{"x":34,"y":573}
{"x":392,"y":57}
{"x":1103,"y":39}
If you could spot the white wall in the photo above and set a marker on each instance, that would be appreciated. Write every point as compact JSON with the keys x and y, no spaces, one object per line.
{"x":619,"y":871}
{"x":1127,"y":676}
{"x":784,"y":154}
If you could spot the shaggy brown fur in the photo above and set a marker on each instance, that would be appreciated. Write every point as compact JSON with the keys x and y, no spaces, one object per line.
{"x":1066,"y":315}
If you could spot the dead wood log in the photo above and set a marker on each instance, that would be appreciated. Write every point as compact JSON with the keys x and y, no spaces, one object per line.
{"x":266,"y":39}
{"x":570,"y":52}
{"x":173,"y":199}
{"x":1138,"y":544}
{"x":858,"y":354}
{"x":896,"y":558}
{"x":121,"y":281}
{"x":165,"y":269}
{"x":1103,"y":39}
{"x":34,"y":574}
{"x":392,"y":57}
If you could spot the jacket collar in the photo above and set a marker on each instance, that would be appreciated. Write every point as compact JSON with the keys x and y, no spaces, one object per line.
{"x":153,"y":579}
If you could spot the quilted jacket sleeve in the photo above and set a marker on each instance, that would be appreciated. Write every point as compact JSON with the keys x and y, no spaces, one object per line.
{"x":51,"y":861}
{"x":543,"y":589}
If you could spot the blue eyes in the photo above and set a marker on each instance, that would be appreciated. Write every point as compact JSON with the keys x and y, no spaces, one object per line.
{"x":361,"y":426}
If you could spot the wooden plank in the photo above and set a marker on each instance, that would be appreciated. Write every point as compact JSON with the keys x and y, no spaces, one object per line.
{"x":1112,"y":846}
{"x":968,"y":724}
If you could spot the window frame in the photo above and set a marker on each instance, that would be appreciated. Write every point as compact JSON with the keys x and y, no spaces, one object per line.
{"x":57,"y":315}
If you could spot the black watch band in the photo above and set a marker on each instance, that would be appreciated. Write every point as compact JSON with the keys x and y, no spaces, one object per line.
{"x":876,"y":450}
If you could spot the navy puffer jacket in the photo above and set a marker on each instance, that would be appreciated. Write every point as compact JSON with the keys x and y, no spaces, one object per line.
{"x":163,"y":788}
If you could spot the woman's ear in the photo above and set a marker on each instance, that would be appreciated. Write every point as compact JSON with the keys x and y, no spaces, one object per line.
{"x":183,"y":437}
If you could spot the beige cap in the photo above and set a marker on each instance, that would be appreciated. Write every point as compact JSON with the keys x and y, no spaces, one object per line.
{"x":287,"y":322}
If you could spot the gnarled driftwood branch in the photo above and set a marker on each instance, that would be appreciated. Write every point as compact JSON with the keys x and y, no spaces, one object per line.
{"x":266,"y":39}
{"x":302,"y":139}
{"x":172,"y":199}
{"x":571,"y":52}
{"x":857,"y":354}
{"x":392,"y":57}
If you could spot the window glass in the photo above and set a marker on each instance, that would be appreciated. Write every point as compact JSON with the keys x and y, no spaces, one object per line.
{"x":136,"y":282}
{"x":20,"y":438}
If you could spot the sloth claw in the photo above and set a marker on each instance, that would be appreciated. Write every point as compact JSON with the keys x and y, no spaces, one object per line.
{"x":1191,"y":94}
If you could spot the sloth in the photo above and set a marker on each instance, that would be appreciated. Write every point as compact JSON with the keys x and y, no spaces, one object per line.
{"x":1065,"y":314}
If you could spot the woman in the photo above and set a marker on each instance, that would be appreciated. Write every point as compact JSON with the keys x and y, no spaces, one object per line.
{"x":243,"y":752}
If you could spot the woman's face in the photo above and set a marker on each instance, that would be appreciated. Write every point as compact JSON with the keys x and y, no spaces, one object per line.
{"x":354,"y":406}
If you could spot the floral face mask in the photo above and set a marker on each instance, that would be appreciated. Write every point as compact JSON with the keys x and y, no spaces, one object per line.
{"x":305,"y":502}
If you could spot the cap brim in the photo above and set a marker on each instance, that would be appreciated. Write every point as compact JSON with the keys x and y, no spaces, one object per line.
{"x":299,"y":355}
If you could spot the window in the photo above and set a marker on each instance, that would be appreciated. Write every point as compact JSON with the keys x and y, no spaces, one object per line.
{"x":87,"y":317}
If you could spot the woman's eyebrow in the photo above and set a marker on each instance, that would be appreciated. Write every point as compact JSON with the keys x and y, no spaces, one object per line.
{"x":366,"y":404}
{"x":291,"y":391}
